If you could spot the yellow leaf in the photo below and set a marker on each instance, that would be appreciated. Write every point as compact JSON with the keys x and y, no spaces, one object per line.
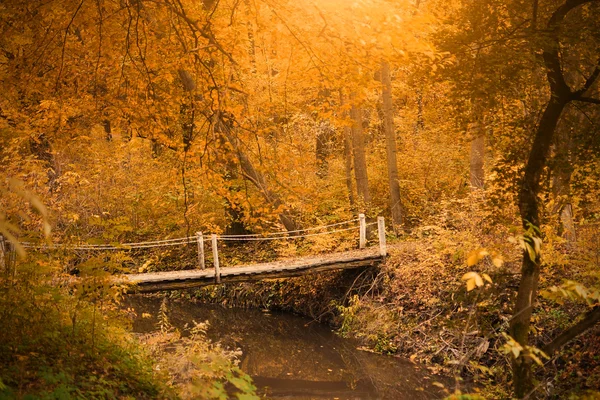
{"x":537,"y":244}
{"x":497,"y":261}
{"x":531,"y":252}
{"x":473,"y":258}
{"x":487,"y":278}
{"x":516,"y":351}
{"x":478,"y":280}
{"x":469,"y":275}
{"x":473,"y":280}
{"x":470,"y":285}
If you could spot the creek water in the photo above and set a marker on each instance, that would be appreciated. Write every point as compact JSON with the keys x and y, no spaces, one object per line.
{"x":292,"y":357}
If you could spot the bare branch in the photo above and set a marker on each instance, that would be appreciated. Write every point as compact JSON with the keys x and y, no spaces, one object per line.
{"x":590,"y":80}
{"x":64,"y":45}
{"x":588,"y":100}
{"x":551,"y":52}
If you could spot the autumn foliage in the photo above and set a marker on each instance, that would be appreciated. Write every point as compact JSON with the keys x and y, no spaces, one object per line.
{"x":139,"y":120}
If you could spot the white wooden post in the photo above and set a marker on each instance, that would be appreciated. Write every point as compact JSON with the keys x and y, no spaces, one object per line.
{"x":363,"y":231}
{"x":200,"y":239}
{"x":216,"y":258}
{"x":381,"y":232}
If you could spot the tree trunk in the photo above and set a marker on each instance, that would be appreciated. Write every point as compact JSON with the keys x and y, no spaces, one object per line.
{"x":347,"y":131}
{"x":561,"y":184}
{"x":251,"y":40}
{"x":323,"y":147}
{"x":530,"y":269}
{"x":390,"y":146}
{"x":41,"y":148}
{"x":107,"y":130}
{"x":420,"y":123}
{"x":258,"y":180}
{"x":560,"y":95}
{"x":360,"y":160}
{"x":477,"y":155}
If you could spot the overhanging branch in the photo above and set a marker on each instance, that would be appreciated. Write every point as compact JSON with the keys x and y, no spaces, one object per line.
{"x":590,"y":80}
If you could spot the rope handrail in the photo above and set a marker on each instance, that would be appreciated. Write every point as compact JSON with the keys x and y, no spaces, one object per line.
{"x":119,"y":247}
{"x":194,"y":239}
{"x":233,"y":238}
{"x":28,"y":244}
{"x":157,"y":243}
{"x":314,"y":228}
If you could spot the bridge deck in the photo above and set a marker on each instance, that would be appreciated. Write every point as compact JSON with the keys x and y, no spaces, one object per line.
{"x":172,"y":280}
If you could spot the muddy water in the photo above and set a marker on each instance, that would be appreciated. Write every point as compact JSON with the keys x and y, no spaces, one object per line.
{"x":292,"y":357}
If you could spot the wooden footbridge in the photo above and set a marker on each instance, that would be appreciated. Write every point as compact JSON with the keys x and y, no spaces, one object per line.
{"x":202,"y":276}
{"x":156,"y":281}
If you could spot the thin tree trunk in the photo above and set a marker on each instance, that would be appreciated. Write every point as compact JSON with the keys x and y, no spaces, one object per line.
{"x":360,"y":160}
{"x":561,"y":184}
{"x":347,"y":132}
{"x":420,"y":123}
{"x":323,"y":147}
{"x":530,"y":269}
{"x":251,"y":40}
{"x":390,"y":146}
{"x":477,"y":155}
{"x":42,"y":149}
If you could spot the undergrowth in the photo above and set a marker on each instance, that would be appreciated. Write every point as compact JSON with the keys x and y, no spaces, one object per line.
{"x":65,"y":341}
{"x":67,"y":338}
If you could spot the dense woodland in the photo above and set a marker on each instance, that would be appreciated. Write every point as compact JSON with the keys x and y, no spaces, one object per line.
{"x":472,"y":126}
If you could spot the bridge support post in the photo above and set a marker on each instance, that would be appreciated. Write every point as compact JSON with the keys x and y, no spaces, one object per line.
{"x":215,"y":251}
{"x":381,"y":232}
{"x":3,"y":254}
{"x":200,"y":239}
{"x":362,"y":243}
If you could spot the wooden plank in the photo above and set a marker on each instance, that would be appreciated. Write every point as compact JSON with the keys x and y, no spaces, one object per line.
{"x":147,"y":282}
{"x":176,"y":284}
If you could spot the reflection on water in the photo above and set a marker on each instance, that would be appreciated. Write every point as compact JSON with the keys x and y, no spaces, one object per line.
{"x":294,"y":358}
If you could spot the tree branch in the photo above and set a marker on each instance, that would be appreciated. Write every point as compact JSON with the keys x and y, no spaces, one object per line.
{"x":588,"y":100}
{"x":551,"y":50}
{"x":590,"y":80}
{"x":589,"y":320}
{"x":64,"y":45}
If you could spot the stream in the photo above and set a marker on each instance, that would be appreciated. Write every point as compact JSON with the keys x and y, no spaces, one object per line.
{"x":293,"y":357}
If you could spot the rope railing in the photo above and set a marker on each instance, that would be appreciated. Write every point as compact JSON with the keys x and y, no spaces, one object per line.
{"x":120,"y":246}
{"x":193,"y":239}
{"x":199,"y":239}
{"x":291,"y":232}
{"x":156,"y":243}
{"x":242,"y":238}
